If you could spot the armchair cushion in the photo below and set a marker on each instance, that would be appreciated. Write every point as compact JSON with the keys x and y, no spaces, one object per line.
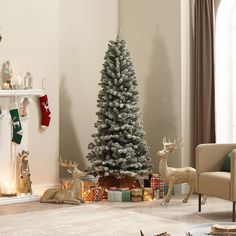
{"x":216,"y":184}
{"x":226,"y":164}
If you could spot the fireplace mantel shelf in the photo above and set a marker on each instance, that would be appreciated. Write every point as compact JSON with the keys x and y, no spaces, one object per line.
{"x":15,"y":92}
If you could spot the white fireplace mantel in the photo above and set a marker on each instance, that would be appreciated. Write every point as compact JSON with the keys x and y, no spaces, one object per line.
{"x":15,"y":92}
{"x":8,"y":151}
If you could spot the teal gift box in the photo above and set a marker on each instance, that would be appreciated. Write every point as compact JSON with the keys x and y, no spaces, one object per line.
{"x":118,"y":196}
{"x":114,"y":196}
{"x":126,"y":196}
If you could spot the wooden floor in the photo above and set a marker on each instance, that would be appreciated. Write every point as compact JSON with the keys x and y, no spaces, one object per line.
{"x":28,"y":207}
{"x":113,"y":219}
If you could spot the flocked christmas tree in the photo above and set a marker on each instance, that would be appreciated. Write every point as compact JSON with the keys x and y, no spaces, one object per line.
{"x":118,"y":148}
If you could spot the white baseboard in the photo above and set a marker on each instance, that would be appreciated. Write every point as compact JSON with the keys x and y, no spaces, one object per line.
{"x":38,"y":190}
{"x":18,"y":199}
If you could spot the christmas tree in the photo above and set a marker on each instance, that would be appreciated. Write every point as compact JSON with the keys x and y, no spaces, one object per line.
{"x":118,"y":148}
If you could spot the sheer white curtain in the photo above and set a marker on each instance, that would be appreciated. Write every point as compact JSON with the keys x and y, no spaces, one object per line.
{"x":225,"y":72}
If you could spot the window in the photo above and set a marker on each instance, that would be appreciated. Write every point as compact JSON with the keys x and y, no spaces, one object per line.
{"x":225,"y":68}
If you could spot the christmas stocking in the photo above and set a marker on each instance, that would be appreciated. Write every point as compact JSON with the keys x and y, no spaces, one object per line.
{"x":45,"y":112}
{"x":16,"y":124}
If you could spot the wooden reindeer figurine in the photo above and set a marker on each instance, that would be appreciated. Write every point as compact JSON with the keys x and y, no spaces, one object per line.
{"x":175,"y":175}
{"x":68,"y":196}
{"x":25,"y":182}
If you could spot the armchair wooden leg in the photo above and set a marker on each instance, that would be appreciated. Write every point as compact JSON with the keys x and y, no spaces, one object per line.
{"x":199,"y":202}
{"x":233,"y":216}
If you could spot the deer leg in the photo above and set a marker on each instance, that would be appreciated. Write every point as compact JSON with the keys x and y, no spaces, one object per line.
{"x":204,"y":199}
{"x":81,"y":200}
{"x":192,"y":187}
{"x":49,"y":201}
{"x":168,"y":196}
{"x":72,"y":201}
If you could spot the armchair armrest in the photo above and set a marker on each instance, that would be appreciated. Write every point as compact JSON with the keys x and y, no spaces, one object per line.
{"x":209,"y":157}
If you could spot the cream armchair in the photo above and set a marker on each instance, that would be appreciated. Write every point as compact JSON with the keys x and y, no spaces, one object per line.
{"x":211,"y":180}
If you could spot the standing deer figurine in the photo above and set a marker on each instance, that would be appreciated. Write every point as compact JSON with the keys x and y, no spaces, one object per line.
{"x":68,"y":196}
{"x":24,"y":180}
{"x":175,"y":175}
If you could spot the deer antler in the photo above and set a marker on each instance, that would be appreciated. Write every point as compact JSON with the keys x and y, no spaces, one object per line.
{"x":172,"y":146}
{"x":67,"y":164}
{"x":167,"y":142}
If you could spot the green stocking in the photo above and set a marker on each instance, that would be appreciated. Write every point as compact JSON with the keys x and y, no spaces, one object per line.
{"x":16,"y":124}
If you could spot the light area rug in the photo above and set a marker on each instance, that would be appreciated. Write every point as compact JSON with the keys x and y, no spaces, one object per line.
{"x":114,"y":219}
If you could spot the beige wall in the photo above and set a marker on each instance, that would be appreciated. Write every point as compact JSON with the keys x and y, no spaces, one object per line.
{"x":153,"y":35}
{"x":86,"y":28}
{"x":30,"y":41}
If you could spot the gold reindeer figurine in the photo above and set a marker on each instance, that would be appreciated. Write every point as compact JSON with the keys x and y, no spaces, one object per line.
{"x":67,"y":196}
{"x":175,"y":175}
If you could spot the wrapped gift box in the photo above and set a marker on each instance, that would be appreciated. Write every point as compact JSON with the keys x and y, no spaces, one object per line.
{"x":114,"y":196}
{"x":148,"y":194}
{"x":136,"y":192}
{"x":92,"y":193}
{"x":97,"y":194}
{"x":136,"y":198}
{"x":136,"y":195}
{"x":119,"y":195}
{"x":126,"y":195}
{"x":147,"y":198}
{"x":87,"y":184}
{"x":88,"y":181}
{"x":157,"y":182}
{"x":87,"y":195}
{"x":161,"y":190}
{"x":147,"y":181}
{"x":154,"y":181}
{"x":156,"y":193}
